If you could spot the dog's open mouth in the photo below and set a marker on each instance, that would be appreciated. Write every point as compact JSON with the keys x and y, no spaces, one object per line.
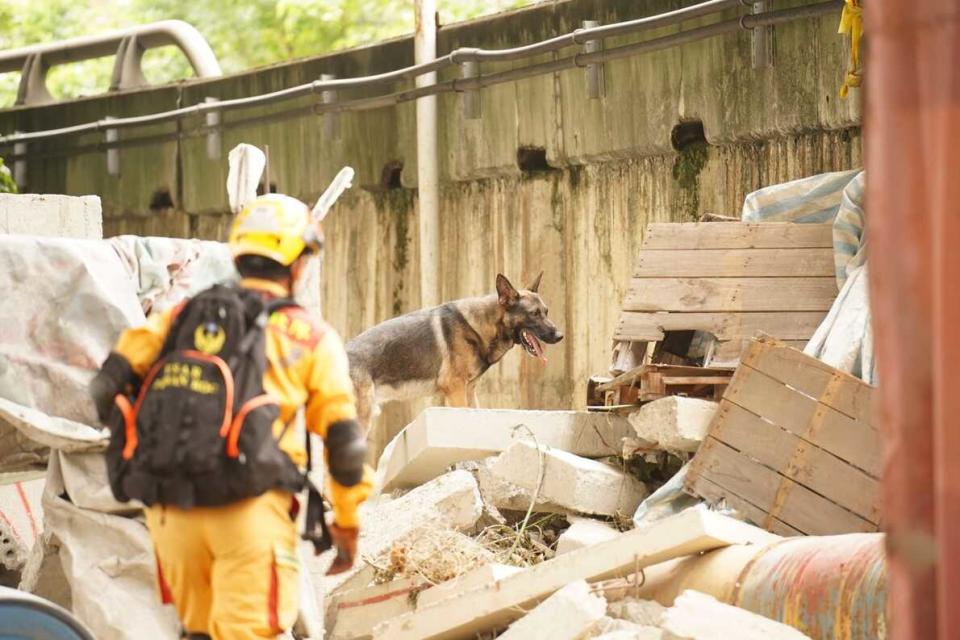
{"x":531,"y":345}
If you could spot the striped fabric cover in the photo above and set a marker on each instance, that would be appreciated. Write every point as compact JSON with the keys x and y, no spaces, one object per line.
{"x":845,"y":338}
{"x":836,"y":196}
{"x":812,"y":199}
{"x":849,"y":232}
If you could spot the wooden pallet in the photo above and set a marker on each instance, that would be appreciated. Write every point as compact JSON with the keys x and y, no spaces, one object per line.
{"x":731,"y":280}
{"x":652,"y":381}
{"x":792,"y":446}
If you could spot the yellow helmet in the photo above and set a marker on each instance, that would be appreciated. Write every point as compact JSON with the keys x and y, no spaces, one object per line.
{"x":274,"y":226}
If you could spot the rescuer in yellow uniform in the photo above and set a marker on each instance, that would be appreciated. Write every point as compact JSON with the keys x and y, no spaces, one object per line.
{"x":231,"y":571}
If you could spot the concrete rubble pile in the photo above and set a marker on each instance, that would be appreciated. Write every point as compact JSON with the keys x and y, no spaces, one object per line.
{"x":701,"y":498}
{"x":529,"y":511}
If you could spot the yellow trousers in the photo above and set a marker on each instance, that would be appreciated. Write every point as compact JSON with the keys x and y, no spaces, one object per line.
{"x":231,"y":572}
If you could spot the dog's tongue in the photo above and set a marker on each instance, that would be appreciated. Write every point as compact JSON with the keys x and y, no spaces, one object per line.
{"x":533,"y":345}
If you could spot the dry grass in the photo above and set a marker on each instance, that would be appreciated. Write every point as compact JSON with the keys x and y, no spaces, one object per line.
{"x":525,"y":545}
{"x":434,"y":554}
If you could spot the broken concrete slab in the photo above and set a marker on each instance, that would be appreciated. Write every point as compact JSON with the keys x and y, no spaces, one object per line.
{"x":472,"y":579}
{"x":636,"y":632}
{"x":697,"y":616}
{"x":497,"y":604}
{"x":584,"y":532}
{"x":353,"y":614}
{"x":442,"y":436}
{"x":642,"y":612}
{"x":579,"y":484}
{"x":569,"y":614}
{"x":675,"y":423}
{"x":451,"y":501}
{"x":506,"y":496}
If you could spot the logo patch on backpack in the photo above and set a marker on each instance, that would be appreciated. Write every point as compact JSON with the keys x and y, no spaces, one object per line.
{"x":200,"y":431}
{"x":209,"y":338}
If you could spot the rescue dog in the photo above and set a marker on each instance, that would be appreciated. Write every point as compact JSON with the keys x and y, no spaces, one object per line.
{"x":446,"y":349}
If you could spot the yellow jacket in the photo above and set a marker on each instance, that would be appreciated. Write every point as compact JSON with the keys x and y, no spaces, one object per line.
{"x":306,"y":367}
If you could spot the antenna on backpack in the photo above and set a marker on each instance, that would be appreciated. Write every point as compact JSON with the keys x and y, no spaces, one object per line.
{"x":342,"y":182}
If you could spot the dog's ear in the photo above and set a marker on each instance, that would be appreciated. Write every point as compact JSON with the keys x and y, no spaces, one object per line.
{"x":505,"y":291}
{"x":535,"y":287}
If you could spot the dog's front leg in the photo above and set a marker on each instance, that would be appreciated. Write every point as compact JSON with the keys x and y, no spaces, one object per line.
{"x":472,"y":400}
{"x":455,"y":396}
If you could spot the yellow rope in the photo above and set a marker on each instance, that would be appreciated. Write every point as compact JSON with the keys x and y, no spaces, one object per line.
{"x":851,"y":23}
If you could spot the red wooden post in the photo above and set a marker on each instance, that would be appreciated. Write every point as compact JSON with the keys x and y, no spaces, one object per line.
{"x":913,"y":198}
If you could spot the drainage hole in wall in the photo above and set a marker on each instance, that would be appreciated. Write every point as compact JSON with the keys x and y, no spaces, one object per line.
{"x":390,"y":177}
{"x":161,"y":199}
{"x":687,"y":133}
{"x":532,"y":159}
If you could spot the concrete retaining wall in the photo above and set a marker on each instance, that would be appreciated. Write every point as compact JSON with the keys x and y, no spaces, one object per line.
{"x":51,"y":215}
{"x":610,"y":168}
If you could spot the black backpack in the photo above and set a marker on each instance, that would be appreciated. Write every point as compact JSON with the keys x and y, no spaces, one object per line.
{"x":200,"y":430}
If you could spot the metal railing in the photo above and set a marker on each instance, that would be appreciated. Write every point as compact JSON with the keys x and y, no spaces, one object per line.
{"x":468,"y":59}
{"x":129,"y":46}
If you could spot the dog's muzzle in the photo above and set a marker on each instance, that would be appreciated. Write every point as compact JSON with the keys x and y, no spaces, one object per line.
{"x":530,"y":342}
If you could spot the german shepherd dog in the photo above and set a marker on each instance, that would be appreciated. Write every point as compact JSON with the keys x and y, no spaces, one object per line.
{"x":446,"y":349}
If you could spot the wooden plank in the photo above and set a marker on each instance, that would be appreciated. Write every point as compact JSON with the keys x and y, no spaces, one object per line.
{"x":787,"y":500}
{"x":731,"y":235}
{"x":714,"y":493}
{"x":735,"y":263}
{"x":733,"y":350}
{"x":672,"y":381}
{"x":730,"y":294}
{"x":630,"y":377}
{"x":842,"y":391}
{"x":795,"y":458}
{"x":854,"y":441}
{"x":784,"y":325}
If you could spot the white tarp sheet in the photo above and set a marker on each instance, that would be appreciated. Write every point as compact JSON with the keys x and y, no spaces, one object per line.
{"x":66,"y":303}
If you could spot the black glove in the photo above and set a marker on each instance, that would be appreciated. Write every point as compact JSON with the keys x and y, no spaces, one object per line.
{"x":115,"y":376}
{"x":346,"y":452}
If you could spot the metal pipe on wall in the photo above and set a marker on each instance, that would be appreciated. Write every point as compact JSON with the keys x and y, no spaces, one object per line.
{"x":428,"y":170}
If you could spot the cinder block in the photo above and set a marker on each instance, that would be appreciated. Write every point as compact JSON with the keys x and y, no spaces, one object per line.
{"x":575,"y":483}
{"x":442,"y":436}
{"x":674,"y":423}
{"x":51,"y":215}
{"x":569,"y":614}
{"x":584,"y":532}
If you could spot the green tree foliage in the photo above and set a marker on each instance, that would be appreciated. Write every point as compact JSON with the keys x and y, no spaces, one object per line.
{"x":7,"y":185}
{"x":242,"y":33}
